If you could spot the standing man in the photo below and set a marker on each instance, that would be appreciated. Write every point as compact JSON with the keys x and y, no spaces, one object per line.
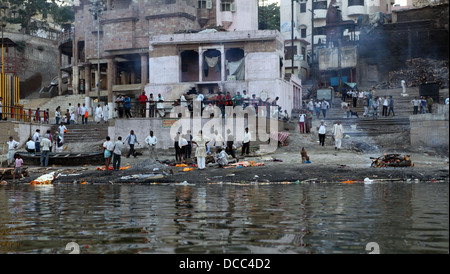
{"x":230,"y":140}
{"x":429,"y":104}
{"x":108,"y":148}
{"x":160,"y":105}
{"x":119,"y":102}
{"x":324,"y":106}
{"x":338,"y":134}
{"x":98,"y":114}
{"x":117,"y":153}
{"x":322,"y":129}
{"x":45,"y":144}
{"x":301,"y":122}
{"x":37,"y":140}
{"x":132,"y":139}
{"x":151,"y":141}
{"x":200,"y":140}
{"x":143,"y":103}
{"x":78,"y":113}
{"x":62,"y":130}
{"x":308,"y":121}
{"x":385,"y":106}
{"x":391,"y":106}
{"x":188,"y":138}
{"x":317,"y":105}
{"x":127,"y":104}
{"x":246,"y":99}
{"x":416,"y":104}
{"x":151,"y":101}
{"x":12,"y":147}
{"x":105,"y":112}
{"x":83,"y":111}
{"x":57,"y":115}
{"x":246,"y":142}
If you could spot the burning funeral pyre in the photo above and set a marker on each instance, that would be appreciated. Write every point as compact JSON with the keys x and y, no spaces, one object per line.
{"x":392,"y":160}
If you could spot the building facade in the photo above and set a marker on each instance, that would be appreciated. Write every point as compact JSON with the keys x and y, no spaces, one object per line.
{"x":313,"y":14}
{"x":122,"y":49}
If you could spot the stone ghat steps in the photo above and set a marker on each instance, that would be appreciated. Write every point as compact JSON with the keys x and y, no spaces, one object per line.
{"x":84,"y":133}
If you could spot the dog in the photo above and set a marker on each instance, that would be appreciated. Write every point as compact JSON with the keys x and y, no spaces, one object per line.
{"x":344,"y":105}
{"x":353,"y":113}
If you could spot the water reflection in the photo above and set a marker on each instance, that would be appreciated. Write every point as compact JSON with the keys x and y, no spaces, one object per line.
{"x":296,"y":218}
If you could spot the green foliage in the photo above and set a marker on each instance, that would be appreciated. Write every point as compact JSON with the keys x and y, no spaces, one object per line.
{"x":25,"y":10}
{"x":269,"y":17}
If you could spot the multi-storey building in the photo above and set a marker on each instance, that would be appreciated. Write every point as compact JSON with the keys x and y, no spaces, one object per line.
{"x":154,"y":45}
{"x":315,"y":14}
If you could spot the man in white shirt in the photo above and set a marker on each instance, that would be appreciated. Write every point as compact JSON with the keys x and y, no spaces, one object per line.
{"x":30,"y":146}
{"x":245,"y":99}
{"x":45,"y":144}
{"x":117,"y":153}
{"x":322,"y":129}
{"x":37,"y":140}
{"x":301,"y":122}
{"x":160,"y":105}
{"x":62,"y":130}
{"x":151,"y":141}
{"x":12,"y":147}
{"x":246,"y":142}
{"x":338,"y":134}
{"x":132,"y":140}
{"x":83,"y":114}
{"x":416,"y":103}
{"x":385,"y":106}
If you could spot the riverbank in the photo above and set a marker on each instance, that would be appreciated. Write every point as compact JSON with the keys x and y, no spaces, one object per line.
{"x":284,"y":165}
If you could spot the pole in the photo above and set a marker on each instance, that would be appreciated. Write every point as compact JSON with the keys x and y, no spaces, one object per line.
{"x":312,"y":43}
{"x":98,"y":57}
{"x":292,"y":37}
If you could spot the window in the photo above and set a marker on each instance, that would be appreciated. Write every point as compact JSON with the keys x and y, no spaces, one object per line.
{"x":226,"y":5}
{"x":303,"y":33}
{"x":303,"y":53}
{"x":201,"y":4}
{"x":288,"y":50}
{"x":302,"y":7}
{"x":355,"y":3}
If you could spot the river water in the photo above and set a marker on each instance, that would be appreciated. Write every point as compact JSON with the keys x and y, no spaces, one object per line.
{"x":395,"y":217}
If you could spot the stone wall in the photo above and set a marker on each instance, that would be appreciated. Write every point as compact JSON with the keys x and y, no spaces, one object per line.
{"x":36,"y":63}
{"x":19,"y":131}
{"x":431,"y":130}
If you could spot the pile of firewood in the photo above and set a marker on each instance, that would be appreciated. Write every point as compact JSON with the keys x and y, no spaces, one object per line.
{"x":419,"y":71}
{"x":392,"y":160}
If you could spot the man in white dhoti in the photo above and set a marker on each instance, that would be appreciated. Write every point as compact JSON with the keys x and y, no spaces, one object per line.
{"x":98,"y":114}
{"x":105,"y":112}
{"x":338,"y":134}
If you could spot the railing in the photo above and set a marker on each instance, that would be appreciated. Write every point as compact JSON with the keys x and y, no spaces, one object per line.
{"x":28,"y":115}
{"x":18,"y":113}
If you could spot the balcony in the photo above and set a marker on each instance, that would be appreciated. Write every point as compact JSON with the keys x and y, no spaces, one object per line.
{"x":356,"y":7}
{"x":320,"y":9}
{"x":227,"y":18}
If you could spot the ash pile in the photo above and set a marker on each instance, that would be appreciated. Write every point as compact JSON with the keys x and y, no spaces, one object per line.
{"x":419,"y":71}
{"x":392,"y":160}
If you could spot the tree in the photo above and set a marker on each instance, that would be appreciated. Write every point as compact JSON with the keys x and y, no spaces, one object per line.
{"x":24,"y":10}
{"x":269,"y":17}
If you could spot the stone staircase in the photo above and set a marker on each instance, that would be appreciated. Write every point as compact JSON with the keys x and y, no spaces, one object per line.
{"x":51,"y":103}
{"x":79,"y":133}
{"x":367,"y":126}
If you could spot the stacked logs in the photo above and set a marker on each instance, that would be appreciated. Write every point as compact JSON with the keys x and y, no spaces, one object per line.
{"x":419,"y":71}
{"x":392,"y":160}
